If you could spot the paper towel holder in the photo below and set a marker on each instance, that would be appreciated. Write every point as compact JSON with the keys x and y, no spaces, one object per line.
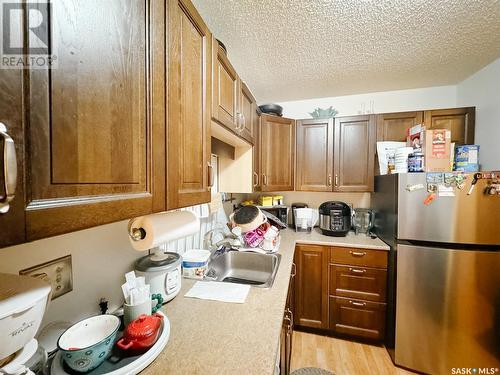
{"x":137,"y":234}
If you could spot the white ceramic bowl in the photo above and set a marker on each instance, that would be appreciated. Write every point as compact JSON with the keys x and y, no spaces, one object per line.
{"x":86,"y":344}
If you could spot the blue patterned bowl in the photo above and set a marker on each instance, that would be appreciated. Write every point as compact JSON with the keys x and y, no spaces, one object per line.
{"x":85,"y":345}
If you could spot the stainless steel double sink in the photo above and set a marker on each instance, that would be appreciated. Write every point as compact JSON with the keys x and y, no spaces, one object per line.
{"x":250,"y":268}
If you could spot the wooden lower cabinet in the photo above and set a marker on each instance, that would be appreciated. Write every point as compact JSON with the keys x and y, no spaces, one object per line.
{"x":357,"y":318}
{"x":311,"y":286}
{"x":341,"y":290}
{"x":287,"y":328}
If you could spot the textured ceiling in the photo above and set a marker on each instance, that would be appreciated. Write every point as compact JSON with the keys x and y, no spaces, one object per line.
{"x":299,"y":49}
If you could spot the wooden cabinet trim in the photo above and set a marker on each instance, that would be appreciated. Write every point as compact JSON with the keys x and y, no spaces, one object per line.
{"x":469,"y":114}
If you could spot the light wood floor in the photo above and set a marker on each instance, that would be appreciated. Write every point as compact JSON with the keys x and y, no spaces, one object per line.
{"x":341,"y":357}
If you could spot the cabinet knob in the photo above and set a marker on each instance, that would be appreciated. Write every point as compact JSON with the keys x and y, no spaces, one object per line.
{"x":329,"y":180}
{"x":336,"y":180}
{"x":360,"y":304}
{"x":9,"y":170}
{"x":210,"y":176}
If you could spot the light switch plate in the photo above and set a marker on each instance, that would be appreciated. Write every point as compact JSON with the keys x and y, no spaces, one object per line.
{"x":57,"y":272}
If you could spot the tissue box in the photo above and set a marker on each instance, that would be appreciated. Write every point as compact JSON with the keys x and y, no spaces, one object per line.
{"x":467,"y":158}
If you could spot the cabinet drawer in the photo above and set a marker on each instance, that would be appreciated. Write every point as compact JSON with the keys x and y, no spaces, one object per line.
{"x":359,"y":257}
{"x":357,"y":318}
{"x":358,"y":282}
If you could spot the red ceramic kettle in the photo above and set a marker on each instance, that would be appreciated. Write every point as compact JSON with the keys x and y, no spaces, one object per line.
{"x":141,"y":334}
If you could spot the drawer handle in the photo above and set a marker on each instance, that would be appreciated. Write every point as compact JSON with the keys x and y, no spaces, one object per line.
{"x":357,"y":253}
{"x":361,"y":304}
{"x":355,"y":270}
{"x":9,"y":170}
{"x":294,"y":270}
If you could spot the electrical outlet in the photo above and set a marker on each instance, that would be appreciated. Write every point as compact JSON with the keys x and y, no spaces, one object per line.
{"x":57,"y":272}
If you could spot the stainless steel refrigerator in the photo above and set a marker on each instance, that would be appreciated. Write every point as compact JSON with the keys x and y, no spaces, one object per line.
{"x":444,"y":274}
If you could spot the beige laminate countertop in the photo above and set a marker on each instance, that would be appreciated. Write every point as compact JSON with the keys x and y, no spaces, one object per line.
{"x":209,"y":337}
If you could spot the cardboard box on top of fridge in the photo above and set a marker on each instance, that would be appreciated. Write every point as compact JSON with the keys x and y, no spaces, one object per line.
{"x":435,"y":145}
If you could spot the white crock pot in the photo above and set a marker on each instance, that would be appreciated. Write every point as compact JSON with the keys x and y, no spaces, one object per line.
{"x":162,"y":272}
{"x":23,"y":301}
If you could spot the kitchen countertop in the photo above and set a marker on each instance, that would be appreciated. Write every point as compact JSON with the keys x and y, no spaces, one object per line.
{"x":210,"y":337}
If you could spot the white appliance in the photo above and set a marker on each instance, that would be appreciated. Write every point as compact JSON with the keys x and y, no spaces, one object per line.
{"x":162,"y":272}
{"x":23,"y":301}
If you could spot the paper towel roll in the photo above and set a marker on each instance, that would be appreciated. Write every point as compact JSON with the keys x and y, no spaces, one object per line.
{"x":157,"y":229}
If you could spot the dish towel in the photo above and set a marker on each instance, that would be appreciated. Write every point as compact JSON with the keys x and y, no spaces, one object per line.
{"x":218,"y":291}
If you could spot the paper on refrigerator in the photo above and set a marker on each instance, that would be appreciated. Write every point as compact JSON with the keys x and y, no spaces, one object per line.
{"x":384,"y":149}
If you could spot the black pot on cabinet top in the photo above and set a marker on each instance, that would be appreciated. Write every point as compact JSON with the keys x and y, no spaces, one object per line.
{"x":273,"y":109}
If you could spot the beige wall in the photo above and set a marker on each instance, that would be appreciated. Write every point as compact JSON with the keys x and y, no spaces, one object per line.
{"x":314,"y":199}
{"x":100,"y":256}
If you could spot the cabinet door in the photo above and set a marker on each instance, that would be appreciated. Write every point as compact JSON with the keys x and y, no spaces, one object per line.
{"x":225,"y":89}
{"x":311,"y":286}
{"x":96,"y":121}
{"x":393,"y":126}
{"x":314,"y":155}
{"x":189,"y":172}
{"x":256,"y":177}
{"x":460,"y":121}
{"x":248,"y":110}
{"x":354,"y":153}
{"x":12,"y":219}
{"x":277,"y":153}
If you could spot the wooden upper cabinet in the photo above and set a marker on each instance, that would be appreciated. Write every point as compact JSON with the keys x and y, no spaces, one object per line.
{"x":189,"y":98}
{"x":277,"y":153}
{"x":460,"y":121}
{"x":311,"y":286}
{"x":12,"y":221}
{"x":393,"y":126}
{"x":256,"y":172}
{"x":248,"y":110}
{"x":225,"y":89}
{"x":354,"y":150}
{"x":314,"y":167}
{"x":96,"y":121}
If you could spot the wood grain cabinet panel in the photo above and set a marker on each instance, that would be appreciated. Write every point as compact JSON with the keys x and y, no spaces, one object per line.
{"x":357,"y":318}
{"x":311,"y":286}
{"x":96,"y":121}
{"x":314,"y":167}
{"x":358,"y":282}
{"x":12,"y":222}
{"x":248,"y":110}
{"x":225,"y":89}
{"x":358,"y":257}
{"x":393,"y":126}
{"x":354,"y":153}
{"x":188,"y":140}
{"x":277,"y":153}
{"x":256,"y":175}
{"x":460,"y":121}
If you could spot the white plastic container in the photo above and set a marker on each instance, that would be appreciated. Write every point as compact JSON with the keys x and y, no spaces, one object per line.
{"x":23,"y":300}
{"x":195,"y":263}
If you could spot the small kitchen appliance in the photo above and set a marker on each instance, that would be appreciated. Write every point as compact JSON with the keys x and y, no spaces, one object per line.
{"x":294,"y":206}
{"x":335,"y":218}
{"x":162,"y":272}
{"x":305,"y":219}
{"x":362,"y":220}
{"x":23,"y":301}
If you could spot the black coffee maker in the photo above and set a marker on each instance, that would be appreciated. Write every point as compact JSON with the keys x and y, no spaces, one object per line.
{"x":335,"y":218}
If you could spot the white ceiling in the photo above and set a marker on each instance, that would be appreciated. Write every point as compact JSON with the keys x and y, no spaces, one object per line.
{"x":299,"y":49}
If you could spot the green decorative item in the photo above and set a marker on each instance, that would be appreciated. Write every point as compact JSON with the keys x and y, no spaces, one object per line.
{"x":324,"y":113}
